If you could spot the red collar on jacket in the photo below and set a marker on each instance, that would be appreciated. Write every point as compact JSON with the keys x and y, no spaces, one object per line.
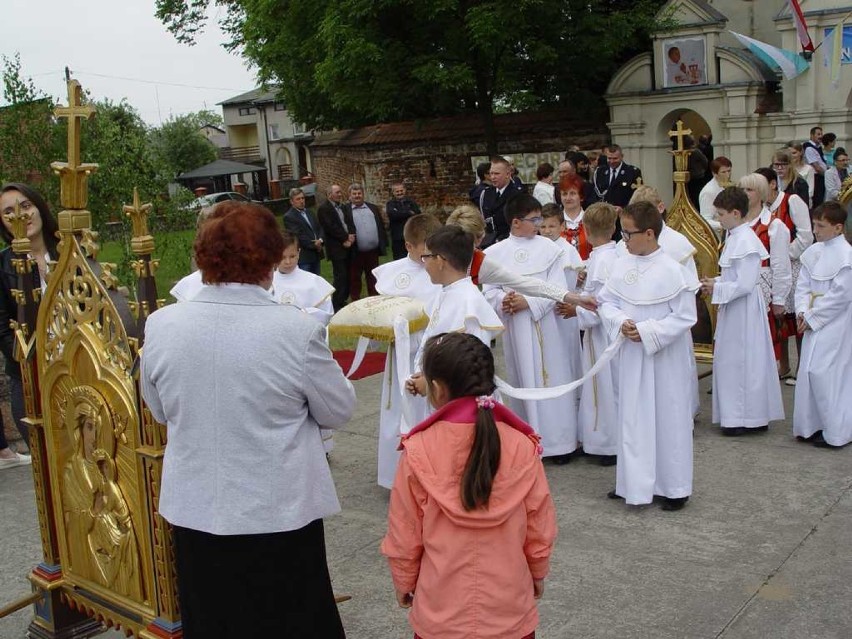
{"x":476,"y":264}
{"x":463,"y":411}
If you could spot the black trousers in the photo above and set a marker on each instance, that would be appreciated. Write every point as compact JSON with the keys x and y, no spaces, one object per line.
{"x":340,"y":282}
{"x":398,"y":248}
{"x":270,"y":585}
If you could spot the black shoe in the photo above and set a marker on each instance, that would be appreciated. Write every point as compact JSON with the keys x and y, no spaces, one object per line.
{"x":560,"y":460}
{"x":811,"y":438}
{"x":819,"y":441}
{"x":611,"y":495}
{"x":734,"y":432}
{"x":759,"y":429}
{"x":673,"y":503}
{"x":607,"y":460}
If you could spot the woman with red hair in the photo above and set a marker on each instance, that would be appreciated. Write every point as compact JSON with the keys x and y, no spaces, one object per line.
{"x":243,"y":385}
{"x":571,"y":196}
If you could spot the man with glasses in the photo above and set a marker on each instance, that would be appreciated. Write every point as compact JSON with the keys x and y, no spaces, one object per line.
{"x":536,"y":355}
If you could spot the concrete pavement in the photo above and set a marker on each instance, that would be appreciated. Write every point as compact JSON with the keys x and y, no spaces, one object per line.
{"x":761,"y":550}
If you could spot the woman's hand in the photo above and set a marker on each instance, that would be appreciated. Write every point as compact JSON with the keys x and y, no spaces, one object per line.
{"x":404,"y":599}
{"x":538,"y":588}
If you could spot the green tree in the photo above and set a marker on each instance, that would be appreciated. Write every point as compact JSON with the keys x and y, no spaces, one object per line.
{"x":29,"y":139}
{"x":179,"y":145}
{"x":343,"y":63}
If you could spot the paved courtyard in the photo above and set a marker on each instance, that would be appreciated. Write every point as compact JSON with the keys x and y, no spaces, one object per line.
{"x":763,"y":549}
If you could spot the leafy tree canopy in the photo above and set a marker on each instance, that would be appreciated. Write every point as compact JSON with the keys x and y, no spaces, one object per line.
{"x":343,"y":63}
{"x":179,"y":146}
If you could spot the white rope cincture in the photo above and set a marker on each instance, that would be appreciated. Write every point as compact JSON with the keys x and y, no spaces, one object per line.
{"x":557,"y":391}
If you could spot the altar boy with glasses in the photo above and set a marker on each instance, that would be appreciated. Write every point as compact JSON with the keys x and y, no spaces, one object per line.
{"x":649,"y":299}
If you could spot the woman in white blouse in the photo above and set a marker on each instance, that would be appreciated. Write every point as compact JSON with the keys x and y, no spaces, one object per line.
{"x":243,"y":385}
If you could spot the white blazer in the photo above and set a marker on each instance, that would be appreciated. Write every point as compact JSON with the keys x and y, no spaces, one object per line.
{"x":243,"y":385}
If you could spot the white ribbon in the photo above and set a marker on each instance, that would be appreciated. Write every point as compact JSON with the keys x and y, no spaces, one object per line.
{"x":360,"y":352}
{"x":557,"y":391}
{"x":402,"y":344}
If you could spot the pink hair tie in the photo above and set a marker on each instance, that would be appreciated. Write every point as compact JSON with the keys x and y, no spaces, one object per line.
{"x":486,"y":402}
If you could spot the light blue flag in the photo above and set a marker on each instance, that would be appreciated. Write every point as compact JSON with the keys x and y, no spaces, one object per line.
{"x":789,"y":63}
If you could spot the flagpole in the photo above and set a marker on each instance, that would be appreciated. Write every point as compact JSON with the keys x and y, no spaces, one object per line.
{"x":842,"y":20}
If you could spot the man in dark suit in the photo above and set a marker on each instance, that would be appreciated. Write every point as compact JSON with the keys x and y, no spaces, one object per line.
{"x":300,"y":221}
{"x":370,"y":240}
{"x":399,"y":210}
{"x":339,"y":239}
{"x":615,"y":181}
{"x":492,"y":201}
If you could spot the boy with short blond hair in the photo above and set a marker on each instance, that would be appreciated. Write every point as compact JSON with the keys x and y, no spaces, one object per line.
{"x":598,"y":415}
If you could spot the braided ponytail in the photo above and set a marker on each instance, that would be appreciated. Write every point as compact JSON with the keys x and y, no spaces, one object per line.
{"x":466,"y":366}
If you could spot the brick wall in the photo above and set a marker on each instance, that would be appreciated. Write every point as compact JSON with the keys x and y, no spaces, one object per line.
{"x":438,"y":174}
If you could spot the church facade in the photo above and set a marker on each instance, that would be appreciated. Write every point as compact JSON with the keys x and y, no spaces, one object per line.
{"x":699,"y":72}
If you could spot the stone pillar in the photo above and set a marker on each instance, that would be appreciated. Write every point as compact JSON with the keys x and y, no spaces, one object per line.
{"x":240,"y":188}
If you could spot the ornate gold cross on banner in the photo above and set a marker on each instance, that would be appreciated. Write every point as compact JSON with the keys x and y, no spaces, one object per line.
{"x":74,"y":112}
{"x":680,"y":133}
{"x":73,"y":175}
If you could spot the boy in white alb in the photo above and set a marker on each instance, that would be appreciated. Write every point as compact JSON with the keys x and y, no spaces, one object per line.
{"x":459,"y":306}
{"x":746,"y":390}
{"x":535,"y":355}
{"x":680,"y":249}
{"x":823,"y":407}
{"x":292,"y":285}
{"x":598,"y":416}
{"x":552,"y":226}
{"x":304,"y":290}
{"x":650,"y":299}
{"x":406,"y":277}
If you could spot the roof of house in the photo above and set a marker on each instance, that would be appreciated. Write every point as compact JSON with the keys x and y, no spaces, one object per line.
{"x":255,"y":96}
{"x":464,"y":127}
{"x":220,"y":167}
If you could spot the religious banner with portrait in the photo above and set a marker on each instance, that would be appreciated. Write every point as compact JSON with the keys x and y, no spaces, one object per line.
{"x":684,"y":62}
{"x":97,"y":453}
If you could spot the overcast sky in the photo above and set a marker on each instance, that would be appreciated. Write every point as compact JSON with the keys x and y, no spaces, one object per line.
{"x":121,"y":39}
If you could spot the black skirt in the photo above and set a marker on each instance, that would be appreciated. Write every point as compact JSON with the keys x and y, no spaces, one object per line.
{"x":270,"y":585}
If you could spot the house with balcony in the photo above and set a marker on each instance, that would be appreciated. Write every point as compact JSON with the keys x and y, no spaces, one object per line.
{"x":260,"y":131}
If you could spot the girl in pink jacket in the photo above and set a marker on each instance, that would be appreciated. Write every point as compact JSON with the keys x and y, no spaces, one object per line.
{"x":471,"y":522}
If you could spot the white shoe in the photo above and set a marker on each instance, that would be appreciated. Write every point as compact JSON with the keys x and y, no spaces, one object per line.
{"x":17,"y":460}
{"x":790,"y":381}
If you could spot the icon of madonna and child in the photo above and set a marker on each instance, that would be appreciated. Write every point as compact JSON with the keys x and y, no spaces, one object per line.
{"x":98,"y":527}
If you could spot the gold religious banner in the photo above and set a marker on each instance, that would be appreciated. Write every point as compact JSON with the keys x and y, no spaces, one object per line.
{"x":683,"y":217}
{"x":97,"y":453}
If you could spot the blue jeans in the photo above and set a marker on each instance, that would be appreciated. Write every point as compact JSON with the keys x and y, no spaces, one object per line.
{"x":16,"y":396}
